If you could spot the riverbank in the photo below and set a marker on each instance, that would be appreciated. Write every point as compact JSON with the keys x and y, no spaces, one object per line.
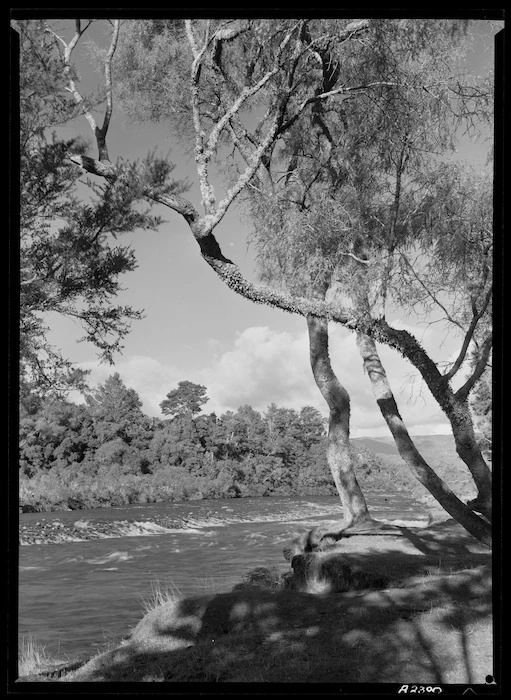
{"x":425,"y":617}
{"x":167,"y":517}
{"x":54,"y":531}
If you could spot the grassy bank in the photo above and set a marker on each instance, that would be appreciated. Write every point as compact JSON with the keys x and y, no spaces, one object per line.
{"x":48,"y":492}
{"x":429,"y":622}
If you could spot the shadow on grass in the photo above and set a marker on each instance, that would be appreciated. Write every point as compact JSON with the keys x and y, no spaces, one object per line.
{"x":430,"y":631}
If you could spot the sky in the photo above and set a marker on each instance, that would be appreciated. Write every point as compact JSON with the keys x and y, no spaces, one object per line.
{"x":196,"y":329}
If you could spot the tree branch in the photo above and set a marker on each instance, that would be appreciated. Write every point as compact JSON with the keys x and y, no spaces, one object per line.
{"x":360,"y":260}
{"x":430,"y":294}
{"x":246,"y":154}
{"x":234,"y":109}
{"x":481,"y":365}
{"x":202,"y":227}
{"x":201,"y":161}
{"x":108,"y":79}
{"x":100,"y":134}
{"x":255,"y":161}
{"x":477,"y":315}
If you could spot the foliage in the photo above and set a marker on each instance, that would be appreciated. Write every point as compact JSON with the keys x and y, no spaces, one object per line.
{"x":186,"y":400}
{"x":70,"y":264}
{"x":115,"y":410}
{"x":108,"y":452}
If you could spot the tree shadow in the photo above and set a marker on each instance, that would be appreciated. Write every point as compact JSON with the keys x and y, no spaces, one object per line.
{"x":422,"y":631}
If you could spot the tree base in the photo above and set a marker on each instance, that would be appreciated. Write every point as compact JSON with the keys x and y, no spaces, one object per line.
{"x":320,"y":538}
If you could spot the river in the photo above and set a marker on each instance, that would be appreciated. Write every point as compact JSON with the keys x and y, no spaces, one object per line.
{"x":77,"y":595}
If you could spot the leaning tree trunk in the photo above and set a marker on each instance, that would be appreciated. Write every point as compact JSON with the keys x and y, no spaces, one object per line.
{"x":470,"y":452}
{"x":462,"y":513}
{"x":339,"y":454}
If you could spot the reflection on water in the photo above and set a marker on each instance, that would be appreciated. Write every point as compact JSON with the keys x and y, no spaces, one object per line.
{"x":75,"y":596}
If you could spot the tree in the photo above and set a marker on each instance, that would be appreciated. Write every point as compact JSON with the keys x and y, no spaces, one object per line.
{"x":343,"y":235}
{"x":187,"y":400}
{"x":56,"y":436}
{"x":70,"y":264}
{"x":243,"y":432}
{"x":481,"y":408}
{"x":116,"y":410}
{"x":272,"y":67}
{"x":312,"y":426}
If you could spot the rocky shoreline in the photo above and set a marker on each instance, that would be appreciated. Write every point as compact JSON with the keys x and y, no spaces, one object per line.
{"x":55,"y":531}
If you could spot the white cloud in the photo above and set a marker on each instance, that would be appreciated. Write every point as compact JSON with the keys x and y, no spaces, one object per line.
{"x":264,"y":366}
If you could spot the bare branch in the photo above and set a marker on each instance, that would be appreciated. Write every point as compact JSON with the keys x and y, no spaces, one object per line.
{"x":108,"y":78}
{"x":247,"y":154}
{"x":234,"y":109}
{"x":100,"y":134}
{"x":203,"y":153}
{"x":481,"y":365}
{"x":430,"y":294}
{"x":108,"y":171}
{"x":477,"y":315}
{"x":245,"y":177}
{"x":207,"y":191}
{"x":360,"y":260}
{"x":95,"y":167}
{"x":66,"y":57}
{"x":226,"y":33}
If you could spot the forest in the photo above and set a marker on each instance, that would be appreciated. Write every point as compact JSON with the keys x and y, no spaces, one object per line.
{"x":108,"y":452}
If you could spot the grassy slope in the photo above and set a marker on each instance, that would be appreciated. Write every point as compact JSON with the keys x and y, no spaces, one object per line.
{"x":427,"y":628}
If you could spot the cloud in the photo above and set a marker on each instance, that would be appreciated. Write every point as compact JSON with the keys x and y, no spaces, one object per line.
{"x":263,"y":366}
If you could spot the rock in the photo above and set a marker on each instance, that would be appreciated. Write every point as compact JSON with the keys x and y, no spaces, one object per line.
{"x":74,"y":504}
{"x":261,"y":577}
{"x":329,"y":572}
{"x":81,"y":524}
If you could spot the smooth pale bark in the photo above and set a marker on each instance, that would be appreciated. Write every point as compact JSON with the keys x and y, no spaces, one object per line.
{"x":339,"y":453}
{"x":477,"y":527}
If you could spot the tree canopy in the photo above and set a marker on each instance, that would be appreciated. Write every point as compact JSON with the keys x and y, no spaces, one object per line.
{"x":70,"y":261}
{"x":186,"y":400}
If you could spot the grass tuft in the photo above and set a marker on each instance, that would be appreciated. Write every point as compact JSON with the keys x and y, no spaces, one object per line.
{"x":33,"y":658}
{"x":162,"y":592}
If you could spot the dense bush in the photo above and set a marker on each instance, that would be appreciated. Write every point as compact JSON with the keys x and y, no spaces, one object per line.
{"x":107,"y":452}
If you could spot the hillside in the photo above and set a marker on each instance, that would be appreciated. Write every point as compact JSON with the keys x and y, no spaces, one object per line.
{"x":439,"y":452}
{"x":436,"y":449}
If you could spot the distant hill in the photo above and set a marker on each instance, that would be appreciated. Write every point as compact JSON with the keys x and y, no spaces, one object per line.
{"x":436,"y":449}
{"x":380,"y":446}
{"x":439,"y":451}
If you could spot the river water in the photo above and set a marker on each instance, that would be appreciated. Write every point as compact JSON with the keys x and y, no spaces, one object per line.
{"x":78,"y":595}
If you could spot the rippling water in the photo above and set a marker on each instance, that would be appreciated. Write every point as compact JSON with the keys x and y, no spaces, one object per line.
{"x":75,"y":596}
